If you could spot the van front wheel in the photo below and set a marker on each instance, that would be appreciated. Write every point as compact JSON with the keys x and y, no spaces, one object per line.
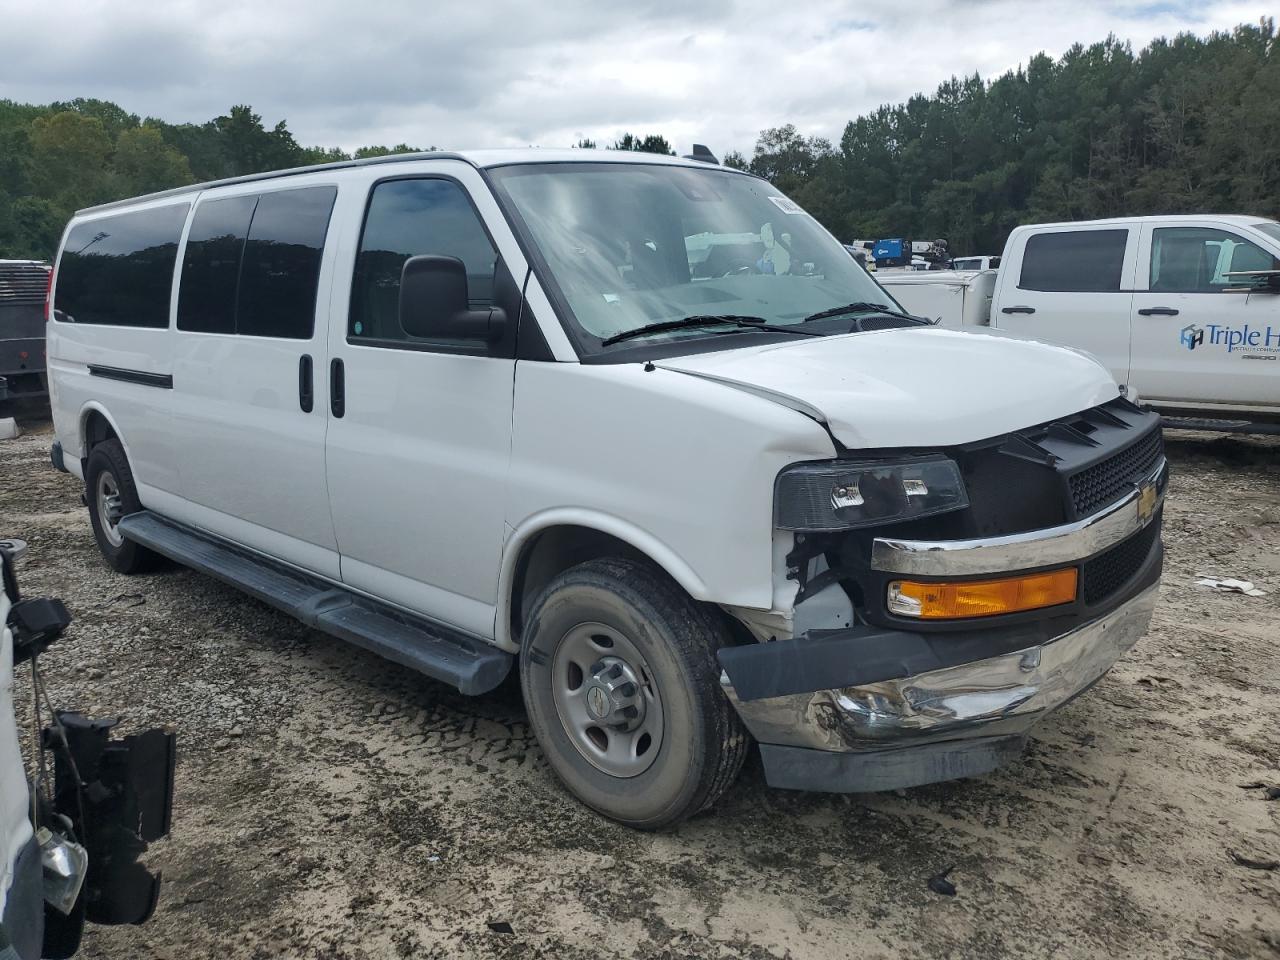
{"x":112,"y":495}
{"x":619,"y":673}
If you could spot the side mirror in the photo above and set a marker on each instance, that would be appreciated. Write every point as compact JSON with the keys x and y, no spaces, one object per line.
{"x":434,"y":304}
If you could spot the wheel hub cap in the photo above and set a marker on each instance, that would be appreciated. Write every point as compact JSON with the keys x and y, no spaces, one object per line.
{"x":613,"y":694}
{"x":607,"y":699}
{"x":110,"y":507}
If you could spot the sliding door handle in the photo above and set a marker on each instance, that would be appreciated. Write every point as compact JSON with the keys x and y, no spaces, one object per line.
{"x":337,"y":388}
{"x":1158,"y":311}
{"x":1017,"y":309}
{"x":306,"y":384}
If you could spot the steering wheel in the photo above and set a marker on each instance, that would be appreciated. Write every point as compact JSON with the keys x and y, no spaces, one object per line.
{"x":739,"y":267}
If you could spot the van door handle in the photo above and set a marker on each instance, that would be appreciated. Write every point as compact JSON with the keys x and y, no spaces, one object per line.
{"x":1017,"y":309}
{"x":337,"y":388}
{"x":1158,"y":311}
{"x":306,"y":388}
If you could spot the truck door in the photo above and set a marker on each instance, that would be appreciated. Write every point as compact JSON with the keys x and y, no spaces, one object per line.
{"x":1072,"y":285}
{"x":420,"y":428}
{"x":1200,"y":335}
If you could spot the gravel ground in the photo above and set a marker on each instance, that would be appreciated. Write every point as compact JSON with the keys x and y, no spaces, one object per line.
{"x":332,"y":805}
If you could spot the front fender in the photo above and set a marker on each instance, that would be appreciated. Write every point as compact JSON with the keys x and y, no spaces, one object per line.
{"x":522,"y":536}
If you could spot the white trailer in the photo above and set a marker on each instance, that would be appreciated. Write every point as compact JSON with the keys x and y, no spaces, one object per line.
{"x":951,"y":298}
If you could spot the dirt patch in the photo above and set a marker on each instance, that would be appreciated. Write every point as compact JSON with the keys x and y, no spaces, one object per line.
{"x":333,"y":805}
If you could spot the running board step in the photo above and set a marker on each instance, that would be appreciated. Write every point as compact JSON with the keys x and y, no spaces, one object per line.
{"x":471,"y":665}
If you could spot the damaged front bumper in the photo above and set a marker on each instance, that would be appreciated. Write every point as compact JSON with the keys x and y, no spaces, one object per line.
{"x":868,"y":708}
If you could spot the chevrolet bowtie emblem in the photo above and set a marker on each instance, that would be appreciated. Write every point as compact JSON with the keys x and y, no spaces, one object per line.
{"x":1146,"y":501}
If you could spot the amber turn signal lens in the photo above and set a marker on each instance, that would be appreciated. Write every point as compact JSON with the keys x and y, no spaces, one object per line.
{"x":982,"y":598}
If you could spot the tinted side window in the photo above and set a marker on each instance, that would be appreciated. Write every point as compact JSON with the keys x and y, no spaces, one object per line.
{"x":211,"y":265}
{"x":410,"y":218}
{"x":1200,"y":259}
{"x":1077,"y":261}
{"x":119,"y":269}
{"x":280,"y":269}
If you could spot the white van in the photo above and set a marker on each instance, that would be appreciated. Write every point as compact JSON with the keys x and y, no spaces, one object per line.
{"x":1183,"y":310}
{"x":637,"y":423}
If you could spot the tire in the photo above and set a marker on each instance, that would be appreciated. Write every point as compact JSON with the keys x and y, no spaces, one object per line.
{"x":629,"y":613}
{"x":111,"y":494}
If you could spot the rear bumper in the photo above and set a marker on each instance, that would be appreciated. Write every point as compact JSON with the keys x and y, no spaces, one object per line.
{"x":865,"y":708}
{"x":22,"y":364}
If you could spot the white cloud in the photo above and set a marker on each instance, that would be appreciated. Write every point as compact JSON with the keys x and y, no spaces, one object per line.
{"x":506,"y":73}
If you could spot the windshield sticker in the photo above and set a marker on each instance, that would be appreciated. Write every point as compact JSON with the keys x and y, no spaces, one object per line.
{"x":610,"y":297}
{"x":785,"y":205}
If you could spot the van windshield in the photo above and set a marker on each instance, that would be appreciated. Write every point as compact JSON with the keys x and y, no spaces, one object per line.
{"x":628,"y":245}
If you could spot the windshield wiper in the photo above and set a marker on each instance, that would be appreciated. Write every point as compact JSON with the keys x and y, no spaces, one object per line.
{"x":702,"y":320}
{"x":862,"y":307}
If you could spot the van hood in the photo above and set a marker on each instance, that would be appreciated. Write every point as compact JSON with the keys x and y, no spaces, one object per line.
{"x":912,"y":387}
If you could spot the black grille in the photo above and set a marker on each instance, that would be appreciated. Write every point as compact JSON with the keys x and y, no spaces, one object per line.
{"x":23,"y":282}
{"x":1108,"y":481}
{"x":1108,"y":572}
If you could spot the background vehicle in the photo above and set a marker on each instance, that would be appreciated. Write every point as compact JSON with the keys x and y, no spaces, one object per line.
{"x":24,"y":287}
{"x":634,"y":425}
{"x":1184,"y":311}
{"x":69,"y":847}
{"x":912,"y":254}
{"x":975,"y":263}
{"x":954,"y":299}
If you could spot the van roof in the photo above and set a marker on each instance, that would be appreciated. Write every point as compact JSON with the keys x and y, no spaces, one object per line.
{"x":480,"y":159}
{"x":1240,"y":220}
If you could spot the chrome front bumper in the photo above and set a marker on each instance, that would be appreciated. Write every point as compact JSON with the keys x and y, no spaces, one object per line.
{"x":998,"y":696}
{"x":875,"y":728}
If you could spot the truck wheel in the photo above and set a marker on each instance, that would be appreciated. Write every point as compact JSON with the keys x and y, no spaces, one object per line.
{"x":111,"y":495}
{"x":619,"y":673}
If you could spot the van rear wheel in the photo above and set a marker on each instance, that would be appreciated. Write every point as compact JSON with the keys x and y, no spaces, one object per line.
{"x":112,"y":495}
{"x":619,"y":673}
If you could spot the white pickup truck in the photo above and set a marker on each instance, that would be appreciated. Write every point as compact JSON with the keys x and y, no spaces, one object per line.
{"x":1184,"y":311}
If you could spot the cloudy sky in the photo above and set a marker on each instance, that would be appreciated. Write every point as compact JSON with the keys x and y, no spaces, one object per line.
{"x":460,"y":73}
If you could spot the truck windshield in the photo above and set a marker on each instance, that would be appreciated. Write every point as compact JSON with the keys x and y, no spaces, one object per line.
{"x":629,"y":245}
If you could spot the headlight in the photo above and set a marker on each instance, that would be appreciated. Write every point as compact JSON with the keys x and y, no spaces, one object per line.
{"x":840,"y":495}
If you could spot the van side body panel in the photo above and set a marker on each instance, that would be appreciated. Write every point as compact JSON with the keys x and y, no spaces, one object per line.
{"x":139,"y":412}
{"x":686,"y":462}
{"x":251,"y":460}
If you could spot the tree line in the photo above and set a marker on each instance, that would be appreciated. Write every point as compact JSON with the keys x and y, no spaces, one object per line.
{"x":60,"y":157}
{"x":1185,"y":125}
{"x":1188,"y":125}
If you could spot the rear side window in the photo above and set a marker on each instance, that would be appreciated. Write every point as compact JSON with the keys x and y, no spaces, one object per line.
{"x":252,"y":264}
{"x":409,"y":218}
{"x":211,"y":265}
{"x":118,"y":270}
{"x":281,"y":264}
{"x":1074,"y":261}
